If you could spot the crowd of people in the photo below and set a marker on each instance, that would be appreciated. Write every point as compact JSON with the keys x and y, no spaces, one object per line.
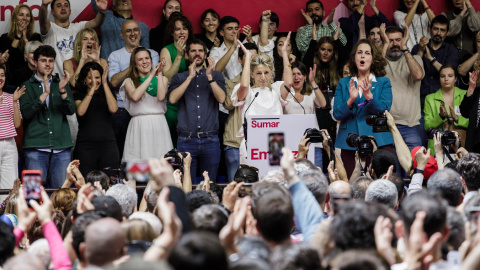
{"x":395,"y":178}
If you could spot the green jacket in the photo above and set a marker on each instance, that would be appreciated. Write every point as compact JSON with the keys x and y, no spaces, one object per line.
{"x":46,"y":126}
{"x":432,"y":112}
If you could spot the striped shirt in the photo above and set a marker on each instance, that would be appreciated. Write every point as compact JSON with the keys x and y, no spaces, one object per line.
{"x":7,"y":127}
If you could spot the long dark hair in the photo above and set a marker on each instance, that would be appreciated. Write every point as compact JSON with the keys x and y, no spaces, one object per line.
{"x":378,"y":62}
{"x":403,"y":8}
{"x":331,"y":67}
{"x":81,"y":85}
{"x":174,"y":17}
{"x":307,"y":87}
{"x":278,"y":59}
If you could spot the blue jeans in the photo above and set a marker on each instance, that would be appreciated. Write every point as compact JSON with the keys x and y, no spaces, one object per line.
{"x":232,"y":159}
{"x":411,"y":135}
{"x":46,"y":162}
{"x":205,"y":154}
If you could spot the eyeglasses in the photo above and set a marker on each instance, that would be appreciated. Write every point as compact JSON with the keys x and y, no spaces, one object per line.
{"x":129,"y":31}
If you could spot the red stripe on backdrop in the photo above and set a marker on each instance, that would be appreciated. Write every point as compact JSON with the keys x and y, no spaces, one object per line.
{"x":248,"y":12}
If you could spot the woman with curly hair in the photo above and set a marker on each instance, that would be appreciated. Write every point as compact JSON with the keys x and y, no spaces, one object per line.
{"x":13,"y":42}
{"x":365,"y":92}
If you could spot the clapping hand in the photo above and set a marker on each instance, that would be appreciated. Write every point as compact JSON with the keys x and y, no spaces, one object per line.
{"x":353,"y":91}
{"x":366,"y":86}
{"x":247,"y":30}
{"x":65,"y":79}
{"x":472,"y":83}
{"x":19,"y":92}
{"x":307,"y":17}
{"x":284,"y":48}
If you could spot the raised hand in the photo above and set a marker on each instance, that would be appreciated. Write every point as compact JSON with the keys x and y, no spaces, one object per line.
{"x":423,"y":42}
{"x":95,"y":54}
{"x":105,"y":74}
{"x":191,"y":71}
{"x":437,"y":142}
{"x":336,"y":36}
{"x":211,"y":66}
{"x":405,"y":38}
{"x":383,"y":238}
{"x":44,"y":211}
{"x":19,"y":92}
{"x":453,"y":114}
{"x":46,"y":2}
{"x":180,"y":45}
{"x":172,"y":225}
{"x":352,"y":90}
{"x":248,"y":54}
{"x":65,"y":79}
{"x":443,"y":111}
{"x":177,"y":174}
{"x":94,"y":83}
{"x":4,"y":57}
{"x":160,"y":66}
{"x":230,"y":195}
{"x":472,"y":83}
{"x":307,"y":18}
{"x":389,"y":173}
{"x":366,"y":86}
{"x":285,"y":44}
{"x":330,"y":16}
{"x":206,"y":181}
{"x":46,"y":85}
{"x":311,"y":74}
{"x":247,"y":30}
{"x":216,"y":42}
{"x":332,"y":172}
{"x":303,"y":147}
{"x":314,"y":32}
{"x":102,"y":5}
{"x":84,"y":53}
{"x":162,"y":172}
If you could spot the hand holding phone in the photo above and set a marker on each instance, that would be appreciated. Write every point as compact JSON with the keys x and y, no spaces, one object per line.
{"x":32,"y":183}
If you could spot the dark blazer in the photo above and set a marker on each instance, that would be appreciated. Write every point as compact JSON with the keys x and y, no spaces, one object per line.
{"x":354,"y":119}
{"x":469,"y":109}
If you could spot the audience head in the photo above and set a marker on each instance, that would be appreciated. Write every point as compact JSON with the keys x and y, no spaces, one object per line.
{"x":375,"y":36}
{"x":317,"y":183}
{"x":209,"y":217}
{"x":179,"y":28}
{"x":399,"y":183}
{"x":359,"y":187}
{"x":24,"y":261}
{"x":381,"y":161}
{"x":439,"y":28}
{"x":44,"y":57}
{"x":104,"y":242}
{"x":210,"y":21}
{"x":366,"y":57}
{"x":197,"y":198}
{"x":456,"y":224}
{"x":78,"y":232}
{"x":469,"y":168}
{"x":277,"y":55}
{"x":22,"y":14}
{"x":406,"y":5}
{"x":252,"y":47}
{"x":352,"y":227}
{"x":99,"y":176}
{"x":395,"y":36}
{"x":169,"y":7}
{"x":300,"y":78}
{"x":339,"y":192}
{"x":448,"y":76}
{"x":85,"y":38}
{"x":295,"y":256}
{"x":198,"y":251}
{"x":229,"y":27}
{"x":253,"y":247}
{"x":353,"y":5}
{"x":131,"y":33}
{"x":28,"y":55}
{"x":41,"y":249}
{"x":62,"y":199}
{"x":122,"y":5}
{"x":108,"y":206}
{"x":314,"y":10}
{"x":448,"y":184}
{"x":7,"y":245}
{"x":273,"y":24}
{"x":196,"y":51}
{"x":272,"y":208}
{"x":246,"y":174}
{"x":382,"y":191}
{"x":125,"y":196}
{"x":60,"y":10}
{"x":359,"y":260}
{"x":346,"y":70}
{"x":140,"y":64}
{"x":90,"y":74}
{"x":153,"y":220}
{"x":138,"y":229}
{"x":436,"y":213}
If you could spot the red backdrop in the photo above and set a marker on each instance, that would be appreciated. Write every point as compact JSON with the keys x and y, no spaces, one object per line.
{"x":248,"y":12}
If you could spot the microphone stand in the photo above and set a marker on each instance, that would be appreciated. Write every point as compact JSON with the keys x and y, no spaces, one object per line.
{"x":245,"y":125}
{"x":288,"y":90}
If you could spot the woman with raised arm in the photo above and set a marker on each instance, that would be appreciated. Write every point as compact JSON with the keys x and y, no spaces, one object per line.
{"x":257,"y":81}
{"x":470,"y":109}
{"x":414,"y":15}
{"x":86,"y":49}
{"x":365,"y":92}
{"x":96,"y":147}
{"x":144,"y":93}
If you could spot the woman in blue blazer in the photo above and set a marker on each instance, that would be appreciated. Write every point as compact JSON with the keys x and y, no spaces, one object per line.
{"x":366,"y":92}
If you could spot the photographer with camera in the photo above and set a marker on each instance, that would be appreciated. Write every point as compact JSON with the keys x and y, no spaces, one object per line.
{"x":442,"y":112}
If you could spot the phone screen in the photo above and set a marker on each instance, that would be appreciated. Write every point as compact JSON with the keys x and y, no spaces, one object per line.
{"x":138,"y":171}
{"x":31,"y":185}
{"x":276,"y":141}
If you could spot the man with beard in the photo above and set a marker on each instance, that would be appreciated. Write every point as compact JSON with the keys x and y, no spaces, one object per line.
{"x":314,"y":15}
{"x":435,"y":53}
{"x":198,"y":92}
{"x":405,"y":72}
{"x":44,"y":106}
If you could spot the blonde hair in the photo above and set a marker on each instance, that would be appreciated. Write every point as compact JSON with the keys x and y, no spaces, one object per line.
{"x":31,"y":46}
{"x":262,"y":59}
{"x":138,"y":229}
{"x":13,"y":25}
{"x":77,"y":45}
{"x":62,"y":199}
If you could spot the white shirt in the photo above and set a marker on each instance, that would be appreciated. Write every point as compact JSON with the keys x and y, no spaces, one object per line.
{"x":62,"y":40}
{"x":360,"y":92}
{"x":233,"y":67}
{"x":417,"y":29}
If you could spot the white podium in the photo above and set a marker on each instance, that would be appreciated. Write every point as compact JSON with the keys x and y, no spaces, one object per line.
{"x":261,"y":129}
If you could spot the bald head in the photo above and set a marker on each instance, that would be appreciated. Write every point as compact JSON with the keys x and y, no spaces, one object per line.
{"x":339,"y":188}
{"x":131,"y":33}
{"x":104,"y":242}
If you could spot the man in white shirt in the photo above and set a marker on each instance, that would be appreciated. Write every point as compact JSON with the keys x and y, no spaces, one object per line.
{"x":60,"y":34}
{"x":226,"y":56}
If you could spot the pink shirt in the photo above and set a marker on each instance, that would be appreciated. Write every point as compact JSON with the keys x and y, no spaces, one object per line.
{"x":7,"y":127}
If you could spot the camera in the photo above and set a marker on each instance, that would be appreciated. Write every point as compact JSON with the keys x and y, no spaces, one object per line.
{"x":362,"y":143}
{"x":176,"y":161}
{"x":116,"y":175}
{"x":378,"y":121}
{"x":448,"y":137}
{"x":314,"y":134}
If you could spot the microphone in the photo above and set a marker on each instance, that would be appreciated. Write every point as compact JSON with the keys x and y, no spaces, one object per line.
{"x":288,"y":90}
{"x":245,"y":119}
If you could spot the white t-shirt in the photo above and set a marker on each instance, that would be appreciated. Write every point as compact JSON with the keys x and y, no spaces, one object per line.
{"x":62,"y":40}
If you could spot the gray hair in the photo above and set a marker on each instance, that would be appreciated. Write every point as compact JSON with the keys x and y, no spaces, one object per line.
{"x":125,"y":196}
{"x":31,"y":46}
{"x":448,"y":183}
{"x":275,"y":176}
{"x":42,"y":250}
{"x":317,"y":183}
{"x":382,"y":191}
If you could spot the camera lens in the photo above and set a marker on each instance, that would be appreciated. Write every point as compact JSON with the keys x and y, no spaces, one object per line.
{"x":352,"y":140}
{"x":371,"y":119}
